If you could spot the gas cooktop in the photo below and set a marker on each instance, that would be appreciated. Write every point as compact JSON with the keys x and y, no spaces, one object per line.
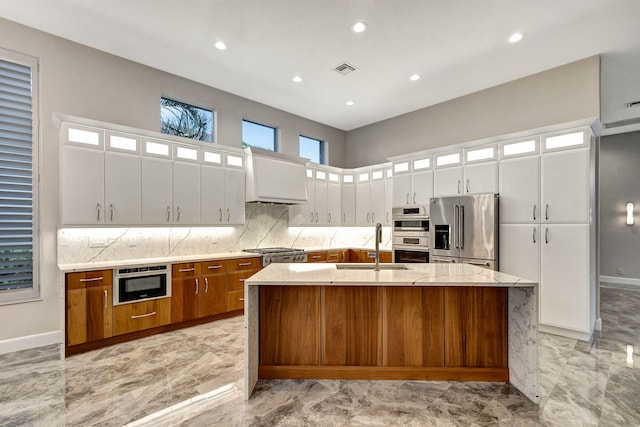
{"x":263,"y":251}
{"x":270,"y":255}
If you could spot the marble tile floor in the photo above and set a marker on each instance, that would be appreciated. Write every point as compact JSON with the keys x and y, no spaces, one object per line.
{"x":193,"y":377}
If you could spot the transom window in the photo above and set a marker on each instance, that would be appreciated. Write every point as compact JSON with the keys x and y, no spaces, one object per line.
{"x":186,"y":120}
{"x":19,"y":260}
{"x":312,"y":149}
{"x":258,"y":136}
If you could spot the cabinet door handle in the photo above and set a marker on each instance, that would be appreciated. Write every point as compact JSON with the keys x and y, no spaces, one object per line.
{"x":178,"y":215}
{"x":534,"y":211}
{"x":168,"y":213}
{"x":220,"y":215}
{"x":139,"y":316}
{"x":344,"y":217}
{"x":373,"y":217}
{"x":240,"y":299}
{"x":206,"y":285}
{"x":368,"y":216}
{"x":534,"y":234}
{"x":244,"y":264}
{"x":546,"y":212}
{"x":184,"y":270}
{"x":111,"y":212}
{"x":386,"y":217}
{"x":407,"y":198}
{"x":92,"y":279}
{"x":546,"y":235}
{"x":105,"y":299}
{"x":228,"y":215}
{"x":197,"y":286}
{"x":458,"y":186}
{"x":99,"y":209}
{"x":329,"y":217}
{"x":414,"y":197}
{"x":214,"y":267}
{"x":311,"y":218}
{"x":467,"y":185}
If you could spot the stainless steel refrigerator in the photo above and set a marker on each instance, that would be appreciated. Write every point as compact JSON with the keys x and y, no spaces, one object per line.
{"x":464,"y":229}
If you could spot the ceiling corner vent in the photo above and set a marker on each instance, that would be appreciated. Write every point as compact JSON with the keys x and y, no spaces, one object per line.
{"x":344,"y":68}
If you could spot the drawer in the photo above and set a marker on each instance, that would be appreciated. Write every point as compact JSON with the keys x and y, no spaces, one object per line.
{"x":185,"y":269}
{"x":141,"y":315}
{"x":235,"y":300}
{"x":89,"y":279}
{"x":237,"y":278}
{"x":211,"y":267}
{"x":244,"y":264}
{"x":317,"y":256}
{"x":335,"y":256}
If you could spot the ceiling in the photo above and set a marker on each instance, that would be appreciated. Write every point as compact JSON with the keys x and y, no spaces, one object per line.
{"x":456,"y":46}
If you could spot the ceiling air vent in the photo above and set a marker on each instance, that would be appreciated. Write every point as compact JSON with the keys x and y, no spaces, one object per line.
{"x":345,"y":68}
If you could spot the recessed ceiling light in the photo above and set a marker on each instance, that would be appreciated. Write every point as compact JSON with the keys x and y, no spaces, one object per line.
{"x":359,"y":27}
{"x":350,"y":103}
{"x":414,"y":77}
{"x":297,"y":79}
{"x":220,"y":45}
{"x":516,"y":37}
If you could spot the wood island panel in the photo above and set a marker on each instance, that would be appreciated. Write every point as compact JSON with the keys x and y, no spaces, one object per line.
{"x":290,"y":325}
{"x":413,"y":326}
{"x":351,"y":326}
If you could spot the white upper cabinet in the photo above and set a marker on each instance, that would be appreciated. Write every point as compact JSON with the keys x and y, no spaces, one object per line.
{"x":412,"y":182}
{"x":334,"y":199}
{"x":122,"y":188}
{"x":481,"y":170}
{"x":82,"y":186}
{"x":449,"y":174}
{"x":234,"y":188}
{"x":520,"y":190}
{"x":520,"y":250}
{"x":304,"y":213}
{"x":565,"y":187}
{"x":378,"y":198}
{"x":320,"y":197}
{"x":363,"y":197}
{"x":388,"y":197}
{"x":348,"y":199}
{"x":186,"y":193}
{"x":157,"y":191}
{"x":324,"y":204}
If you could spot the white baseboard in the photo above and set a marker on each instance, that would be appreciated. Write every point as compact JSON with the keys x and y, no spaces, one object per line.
{"x":630,"y":281}
{"x":598,"y":324}
{"x":568,"y":333}
{"x":30,"y":341}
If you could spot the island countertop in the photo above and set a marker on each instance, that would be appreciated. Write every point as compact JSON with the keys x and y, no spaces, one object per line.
{"x":362,"y":274}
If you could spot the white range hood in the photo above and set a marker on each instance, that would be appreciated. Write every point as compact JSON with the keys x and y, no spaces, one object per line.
{"x":275,"y":177}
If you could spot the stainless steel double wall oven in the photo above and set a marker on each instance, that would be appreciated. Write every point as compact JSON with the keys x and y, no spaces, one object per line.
{"x":411,"y":237}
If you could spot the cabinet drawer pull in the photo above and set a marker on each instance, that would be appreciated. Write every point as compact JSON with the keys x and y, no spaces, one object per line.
{"x":93,"y":279}
{"x":241,"y":280}
{"x":336,"y":254}
{"x":240,"y":299}
{"x":184,"y":270}
{"x":139,"y":316}
{"x":105,"y":298}
{"x":214,"y":267}
{"x":244,"y":264}
{"x":316,"y":256}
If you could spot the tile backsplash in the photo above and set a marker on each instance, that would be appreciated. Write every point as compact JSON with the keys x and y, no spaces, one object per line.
{"x":265,"y":226}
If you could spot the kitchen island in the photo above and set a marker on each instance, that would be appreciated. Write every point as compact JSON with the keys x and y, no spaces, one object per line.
{"x":416,"y":321}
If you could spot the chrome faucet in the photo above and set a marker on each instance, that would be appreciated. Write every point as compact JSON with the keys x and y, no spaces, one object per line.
{"x":378,"y":241}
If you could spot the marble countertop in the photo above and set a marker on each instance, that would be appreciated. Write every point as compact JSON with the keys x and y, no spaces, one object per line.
{"x":415,"y":275}
{"x":84,"y":266}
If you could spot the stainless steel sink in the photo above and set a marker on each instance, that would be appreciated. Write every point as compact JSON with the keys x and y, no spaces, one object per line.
{"x":371,"y":267}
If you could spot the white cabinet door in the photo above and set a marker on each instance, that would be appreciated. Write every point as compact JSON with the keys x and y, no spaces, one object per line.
{"x":481,"y":178}
{"x":82,"y":186}
{"x":363,"y":203}
{"x":422,"y":188}
{"x":402,"y":190}
{"x":447,"y":181}
{"x":334,"y":196}
{"x":304,"y":213}
{"x":234,"y":197}
{"x":388,"y":201}
{"x":520,"y":190}
{"x":348,"y":204}
{"x":212,"y":195}
{"x":520,"y":250}
{"x":564,"y":284}
{"x":377,"y":198}
{"x":157,"y":191}
{"x":320,"y":203}
{"x":565,"y":187}
{"x":123,"y":179}
{"x":186,"y":193}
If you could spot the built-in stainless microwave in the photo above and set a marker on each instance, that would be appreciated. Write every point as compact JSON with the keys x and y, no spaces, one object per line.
{"x":133,"y":284}
{"x":410,"y":234}
{"x":414,"y":219}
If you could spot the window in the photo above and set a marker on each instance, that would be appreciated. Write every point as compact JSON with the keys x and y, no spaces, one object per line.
{"x":312,"y":149}
{"x":259,"y":136}
{"x":186,"y":120}
{"x":19,"y":251}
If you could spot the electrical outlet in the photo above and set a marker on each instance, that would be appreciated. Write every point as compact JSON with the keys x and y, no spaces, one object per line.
{"x":620,"y":271}
{"x":97,"y":242}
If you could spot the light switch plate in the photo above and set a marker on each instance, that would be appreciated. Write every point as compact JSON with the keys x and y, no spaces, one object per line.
{"x":97,"y":242}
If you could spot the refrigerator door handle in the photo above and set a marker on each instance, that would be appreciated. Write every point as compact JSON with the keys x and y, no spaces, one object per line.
{"x":454,"y":228}
{"x":461,"y":227}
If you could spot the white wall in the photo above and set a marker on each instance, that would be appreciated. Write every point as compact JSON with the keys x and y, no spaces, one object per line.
{"x":560,"y":95}
{"x":84,"y":82}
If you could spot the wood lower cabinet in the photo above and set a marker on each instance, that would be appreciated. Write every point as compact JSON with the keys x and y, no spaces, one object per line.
{"x":214,"y":293}
{"x":368,"y":332}
{"x":367,"y":255}
{"x":239,"y":270}
{"x":199,"y":289}
{"x":89,"y":302}
{"x":142,"y":315}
